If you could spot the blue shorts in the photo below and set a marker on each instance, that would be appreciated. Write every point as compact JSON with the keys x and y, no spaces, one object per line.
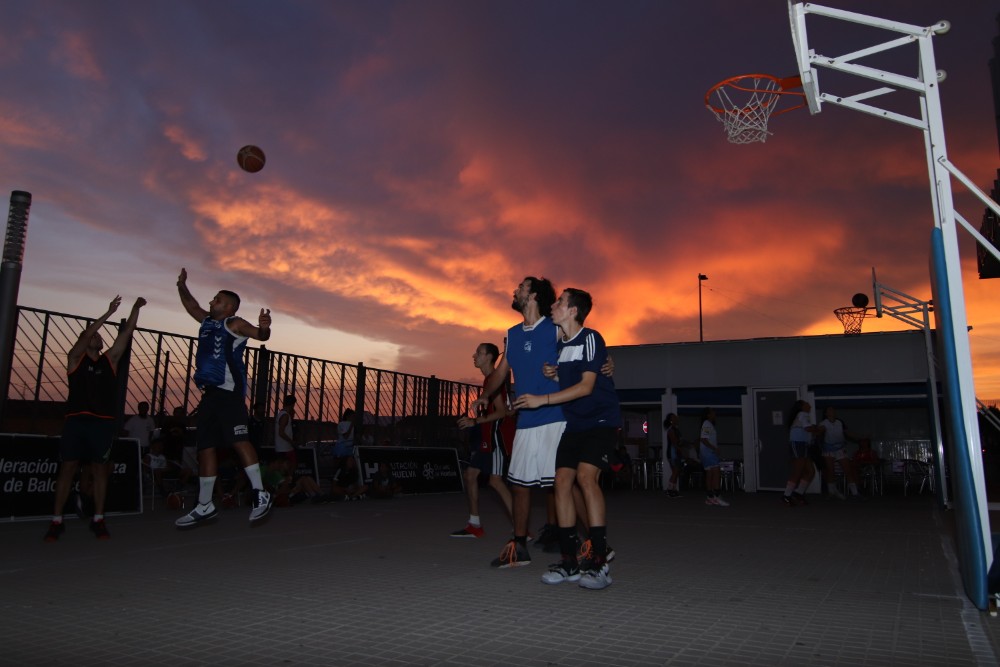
{"x":709,"y":458}
{"x":800,"y":450}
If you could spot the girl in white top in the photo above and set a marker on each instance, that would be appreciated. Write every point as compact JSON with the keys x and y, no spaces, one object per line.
{"x":803,"y":470}
{"x":835,"y":437}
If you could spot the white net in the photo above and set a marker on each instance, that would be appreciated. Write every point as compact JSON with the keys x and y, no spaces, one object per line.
{"x":744,"y":108}
{"x":851,"y":317}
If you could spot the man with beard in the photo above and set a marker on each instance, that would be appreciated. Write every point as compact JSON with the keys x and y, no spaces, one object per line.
{"x":530,"y":345}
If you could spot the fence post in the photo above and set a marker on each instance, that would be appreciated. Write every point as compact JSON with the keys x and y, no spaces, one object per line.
{"x":359,"y":405}
{"x":262,"y":373}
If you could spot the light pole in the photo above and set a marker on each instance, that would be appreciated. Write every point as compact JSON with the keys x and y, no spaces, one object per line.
{"x":701,"y":330}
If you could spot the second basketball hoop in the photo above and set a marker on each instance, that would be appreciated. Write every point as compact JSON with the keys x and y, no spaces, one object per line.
{"x":745,"y":103}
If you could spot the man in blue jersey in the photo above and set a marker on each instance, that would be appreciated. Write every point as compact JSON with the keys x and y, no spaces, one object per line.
{"x":590,"y":406}
{"x":530,"y":345}
{"x":91,"y":413}
{"x":222,"y":414}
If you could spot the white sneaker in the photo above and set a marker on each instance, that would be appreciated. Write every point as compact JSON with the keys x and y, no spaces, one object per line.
{"x":260,"y":506}
{"x":199,"y":514}
{"x":711,"y":501}
{"x":560,"y":572}
{"x":720,"y":502}
{"x":595,"y":580}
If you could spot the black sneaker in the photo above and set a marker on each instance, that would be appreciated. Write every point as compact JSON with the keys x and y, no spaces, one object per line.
{"x":513,"y":555}
{"x":585,"y":556}
{"x":100,"y":530}
{"x":787,"y":500}
{"x":55,"y":531}
{"x":799,"y":499}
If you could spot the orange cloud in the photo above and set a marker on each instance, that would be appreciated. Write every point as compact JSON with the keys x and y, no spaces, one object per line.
{"x":190,"y":148}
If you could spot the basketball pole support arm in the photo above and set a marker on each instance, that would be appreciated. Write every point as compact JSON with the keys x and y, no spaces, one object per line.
{"x":975,"y":545}
{"x":905,"y":308}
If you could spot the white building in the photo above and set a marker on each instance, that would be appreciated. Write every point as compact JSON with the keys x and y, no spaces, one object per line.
{"x":878,"y":382}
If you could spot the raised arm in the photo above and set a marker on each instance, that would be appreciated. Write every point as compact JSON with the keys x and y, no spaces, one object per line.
{"x":80,"y":346}
{"x":260,"y":332}
{"x":189,"y":302}
{"x":125,"y":335}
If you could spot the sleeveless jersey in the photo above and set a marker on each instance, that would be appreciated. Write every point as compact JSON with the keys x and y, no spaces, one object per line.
{"x":219,"y":359}
{"x":93,"y":388}
{"x":528,"y":347}
{"x":280,"y":444}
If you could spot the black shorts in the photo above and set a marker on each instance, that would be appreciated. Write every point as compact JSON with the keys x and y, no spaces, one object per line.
{"x":491,"y":463}
{"x":86,"y":438}
{"x":595,"y":446}
{"x":222,"y":419}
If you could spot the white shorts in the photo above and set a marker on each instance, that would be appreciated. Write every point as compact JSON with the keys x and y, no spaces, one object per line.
{"x":533,"y":459}
{"x":837,"y":454}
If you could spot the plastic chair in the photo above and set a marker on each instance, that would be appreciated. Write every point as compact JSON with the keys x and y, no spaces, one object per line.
{"x":913,"y":471}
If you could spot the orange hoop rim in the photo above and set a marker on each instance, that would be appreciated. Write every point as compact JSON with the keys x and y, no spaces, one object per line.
{"x":782,"y":85}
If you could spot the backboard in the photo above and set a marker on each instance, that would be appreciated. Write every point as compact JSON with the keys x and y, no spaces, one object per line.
{"x":807,"y":73}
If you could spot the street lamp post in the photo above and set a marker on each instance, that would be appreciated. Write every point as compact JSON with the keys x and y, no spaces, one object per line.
{"x":701,"y":330}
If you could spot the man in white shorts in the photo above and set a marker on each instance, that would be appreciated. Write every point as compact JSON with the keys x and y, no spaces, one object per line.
{"x":530,"y":345}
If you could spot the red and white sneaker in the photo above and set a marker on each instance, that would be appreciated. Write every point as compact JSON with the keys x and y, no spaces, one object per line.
{"x":469,"y":531}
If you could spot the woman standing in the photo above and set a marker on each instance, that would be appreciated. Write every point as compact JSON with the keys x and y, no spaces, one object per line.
{"x":672,"y":455}
{"x":803,"y":471}
{"x":709,"y":450}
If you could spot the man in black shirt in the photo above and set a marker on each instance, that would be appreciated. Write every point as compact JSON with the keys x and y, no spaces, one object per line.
{"x":91,"y":411}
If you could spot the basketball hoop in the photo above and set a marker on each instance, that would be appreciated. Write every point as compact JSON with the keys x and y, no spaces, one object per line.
{"x":744,"y":104}
{"x":851,"y":317}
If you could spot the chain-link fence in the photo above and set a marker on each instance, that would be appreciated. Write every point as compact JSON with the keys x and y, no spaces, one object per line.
{"x":396,"y":408}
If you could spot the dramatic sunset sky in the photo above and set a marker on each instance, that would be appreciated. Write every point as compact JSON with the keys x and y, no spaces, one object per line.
{"x":424,"y":156}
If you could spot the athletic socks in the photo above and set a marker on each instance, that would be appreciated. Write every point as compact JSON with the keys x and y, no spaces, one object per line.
{"x":206,"y":485}
{"x":474,"y":520}
{"x":253,"y":474}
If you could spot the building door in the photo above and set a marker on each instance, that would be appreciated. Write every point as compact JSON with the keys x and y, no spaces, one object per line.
{"x":771,"y":410}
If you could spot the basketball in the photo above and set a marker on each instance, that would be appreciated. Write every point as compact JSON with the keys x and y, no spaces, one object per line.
{"x":860,"y":300}
{"x":282,"y":500}
{"x":175,"y":501}
{"x":251,"y":159}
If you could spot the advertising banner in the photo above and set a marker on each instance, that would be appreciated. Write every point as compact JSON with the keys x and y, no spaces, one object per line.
{"x":417,"y":469}
{"x":29,"y":465}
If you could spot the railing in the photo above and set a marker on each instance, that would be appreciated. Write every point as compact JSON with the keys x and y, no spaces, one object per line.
{"x":397,"y":407}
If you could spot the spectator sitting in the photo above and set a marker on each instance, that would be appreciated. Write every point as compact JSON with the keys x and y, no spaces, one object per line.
{"x":384,"y":484}
{"x":865,"y":454}
{"x":140,"y":426}
{"x":622,"y":469}
{"x":158,"y":464}
{"x":346,"y":483}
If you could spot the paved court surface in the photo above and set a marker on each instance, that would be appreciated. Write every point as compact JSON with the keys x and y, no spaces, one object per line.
{"x":381,"y":583}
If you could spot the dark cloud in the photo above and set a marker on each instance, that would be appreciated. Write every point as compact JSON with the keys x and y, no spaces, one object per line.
{"x":424,"y":156}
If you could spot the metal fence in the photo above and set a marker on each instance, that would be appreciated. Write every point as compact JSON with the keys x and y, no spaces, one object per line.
{"x":396,"y":408}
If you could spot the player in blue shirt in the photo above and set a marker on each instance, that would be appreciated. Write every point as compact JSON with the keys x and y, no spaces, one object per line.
{"x":222,"y":413}
{"x":590,"y":406}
